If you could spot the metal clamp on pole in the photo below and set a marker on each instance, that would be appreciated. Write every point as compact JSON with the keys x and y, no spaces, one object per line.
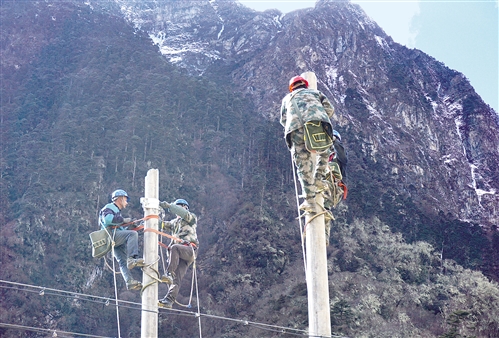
{"x":149,"y":203}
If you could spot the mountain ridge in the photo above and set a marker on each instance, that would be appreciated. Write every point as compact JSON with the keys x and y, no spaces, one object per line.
{"x":328,"y":47}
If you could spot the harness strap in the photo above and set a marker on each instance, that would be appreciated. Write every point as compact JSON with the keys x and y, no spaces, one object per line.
{"x":191,"y":244}
{"x":345,"y":189}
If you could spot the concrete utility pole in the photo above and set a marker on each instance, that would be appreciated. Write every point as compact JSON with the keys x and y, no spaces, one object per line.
{"x":319,"y":316}
{"x":150,"y":204}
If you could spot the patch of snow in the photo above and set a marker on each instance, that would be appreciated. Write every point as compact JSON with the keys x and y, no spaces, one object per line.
{"x":452,"y":108}
{"x":331,"y":76}
{"x":447,"y":159}
{"x":175,"y":59}
{"x":459,"y":123}
{"x":89,"y":5}
{"x":434,"y":105}
{"x":382,"y":42}
{"x":214,"y":5}
{"x":373,"y":111}
{"x":221,"y":31}
{"x":158,"y":38}
{"x":277,"y":20}
{"x":173,"y":48}
{"x":166,"y":50}
{"x":481,"y":192}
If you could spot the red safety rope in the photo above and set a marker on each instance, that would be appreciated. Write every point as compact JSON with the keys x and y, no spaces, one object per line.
{"x":169,"y":236}
{"x":137,"y":220}
{"x":155,"y":231}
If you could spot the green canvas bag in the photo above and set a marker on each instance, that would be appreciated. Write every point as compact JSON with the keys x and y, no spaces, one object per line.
{"x":316,"y":138}
{"x":101,"y":243}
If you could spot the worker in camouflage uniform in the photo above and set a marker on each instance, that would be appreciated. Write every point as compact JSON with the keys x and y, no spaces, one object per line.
{"x":311,"y":105}
{"x":126,"y":248}
{"x":182,"y":251}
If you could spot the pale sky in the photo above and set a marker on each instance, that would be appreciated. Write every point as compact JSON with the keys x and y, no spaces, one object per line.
{"x":463,"y":34}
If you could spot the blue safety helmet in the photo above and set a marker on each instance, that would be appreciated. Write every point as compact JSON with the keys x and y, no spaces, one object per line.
{"x":181,"y":202}
{"x":119,"y":193}
{"x":335,"y":133}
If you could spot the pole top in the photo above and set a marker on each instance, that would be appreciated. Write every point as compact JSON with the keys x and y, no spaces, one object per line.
{"x":311,"y":78}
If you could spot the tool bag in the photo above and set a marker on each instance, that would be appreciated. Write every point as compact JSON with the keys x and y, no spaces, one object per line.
{"x":316,"y":138}
{"x":101,"y":243}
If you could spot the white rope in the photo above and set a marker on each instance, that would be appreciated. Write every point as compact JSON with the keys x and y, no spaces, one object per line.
{"x":161,"y":241}
{"x":162,"y":255}
{"x":115,"y":286}
{"x":299,"y":216}
{"x":195,"y":276}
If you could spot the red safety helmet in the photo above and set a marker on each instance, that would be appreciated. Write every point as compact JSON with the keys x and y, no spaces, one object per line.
{"x":296,"y":79}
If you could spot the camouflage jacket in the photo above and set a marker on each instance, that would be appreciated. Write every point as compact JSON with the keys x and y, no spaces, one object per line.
{"x":183,"y":227}
{"x":312,"y":105}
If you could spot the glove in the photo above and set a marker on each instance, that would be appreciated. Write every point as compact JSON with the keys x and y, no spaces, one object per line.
{"x":164,"y":204}
{"x":127,"y":220}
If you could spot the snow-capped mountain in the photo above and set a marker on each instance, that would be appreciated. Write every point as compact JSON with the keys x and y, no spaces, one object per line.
{"x":409,"y":121}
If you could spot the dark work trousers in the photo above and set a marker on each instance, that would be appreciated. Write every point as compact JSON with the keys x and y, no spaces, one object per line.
{"x":125,"y":246}
{"x":181,"y":257}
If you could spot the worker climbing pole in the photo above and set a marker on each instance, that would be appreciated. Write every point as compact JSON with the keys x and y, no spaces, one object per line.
{"x":305,"y":116}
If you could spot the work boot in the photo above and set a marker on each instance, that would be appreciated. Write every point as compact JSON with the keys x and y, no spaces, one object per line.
{"x":166,"y":303}
{"x":133,"y":284}
{"x":309,"y":205}
{"x":167,"y":278}
{"x":134,"y":262}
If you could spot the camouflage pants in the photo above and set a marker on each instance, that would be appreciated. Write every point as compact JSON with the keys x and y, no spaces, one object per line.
{"x":307,"y":174}
{"x":181,"y":257}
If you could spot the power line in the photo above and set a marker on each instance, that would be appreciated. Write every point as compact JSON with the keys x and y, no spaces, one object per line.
{"x":137,"y":306}
{"x":55,"y":333}
{"x":73,"y":295}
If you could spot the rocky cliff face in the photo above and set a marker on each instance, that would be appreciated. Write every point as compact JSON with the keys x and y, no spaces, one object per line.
{"x":408,"y":120}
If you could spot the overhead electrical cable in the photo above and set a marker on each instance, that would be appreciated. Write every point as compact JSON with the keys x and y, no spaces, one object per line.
{"x":55,"y":333}
{"x":137,"y":306}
